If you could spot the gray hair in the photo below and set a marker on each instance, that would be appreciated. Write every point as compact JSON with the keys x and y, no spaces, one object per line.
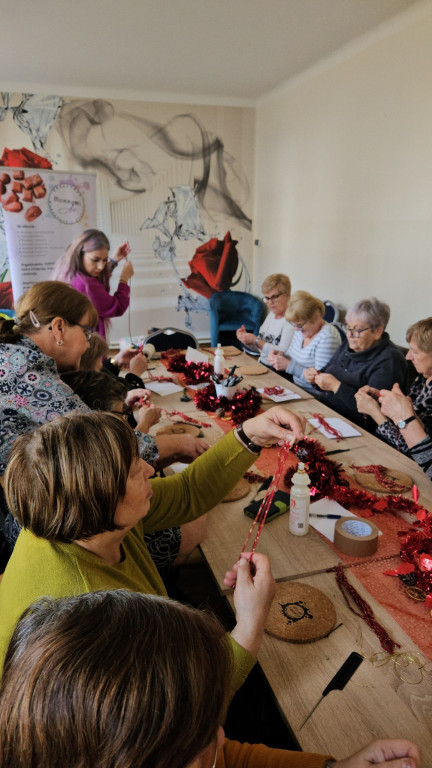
{"x":372,"y":311}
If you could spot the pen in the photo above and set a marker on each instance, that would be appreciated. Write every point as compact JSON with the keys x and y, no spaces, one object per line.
{"x":330,"y":517}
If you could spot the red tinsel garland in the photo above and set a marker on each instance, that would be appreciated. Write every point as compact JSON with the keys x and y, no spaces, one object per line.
{"x":194,"y":373}
{"x":244,"y":404}
{"x":326,"y":480}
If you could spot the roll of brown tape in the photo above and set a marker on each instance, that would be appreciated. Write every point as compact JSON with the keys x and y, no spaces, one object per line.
{"x":356,"y":536}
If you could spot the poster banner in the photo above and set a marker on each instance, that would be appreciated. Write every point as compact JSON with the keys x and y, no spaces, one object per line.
{"x":43,"y":211}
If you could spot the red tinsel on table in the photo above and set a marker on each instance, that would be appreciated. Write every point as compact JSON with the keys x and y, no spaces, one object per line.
{"x":194,"y":373}
{"x":244,"y":404}
{"x":326,"y":480}
{"x":327,"y":427}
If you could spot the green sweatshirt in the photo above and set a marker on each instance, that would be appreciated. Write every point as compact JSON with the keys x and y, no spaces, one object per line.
{"x":39,"y":568}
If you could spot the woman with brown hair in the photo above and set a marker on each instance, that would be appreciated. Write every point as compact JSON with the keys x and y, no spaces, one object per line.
{"x":98,"y":681}
{"x":85,"y":500}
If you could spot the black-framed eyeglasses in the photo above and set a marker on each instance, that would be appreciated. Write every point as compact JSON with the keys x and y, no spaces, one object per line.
{"x":354,"y":332}
{"x":275,"y":297}
{"x":87,"y":330}
{"x":125,"y":413}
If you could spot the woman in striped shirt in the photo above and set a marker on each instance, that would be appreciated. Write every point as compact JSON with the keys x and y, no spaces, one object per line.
{"x":314,"y":341}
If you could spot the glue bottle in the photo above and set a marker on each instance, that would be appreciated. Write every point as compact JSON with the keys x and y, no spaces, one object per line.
{"x":219,"y":361}
{"x":299,"y":502}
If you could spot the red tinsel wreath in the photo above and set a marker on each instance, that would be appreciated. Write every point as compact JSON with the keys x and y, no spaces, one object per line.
{"x":194,"y":373}
{"x":244,"y":404}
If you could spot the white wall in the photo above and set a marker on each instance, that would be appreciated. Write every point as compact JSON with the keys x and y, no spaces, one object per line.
{"x":344,"y":174}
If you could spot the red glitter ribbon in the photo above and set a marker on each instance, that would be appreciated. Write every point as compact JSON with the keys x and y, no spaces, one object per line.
{"x":328,"y":428}
{"x":379,"y":472}
{"x":261,"y":515}
{"x":273,"y":390}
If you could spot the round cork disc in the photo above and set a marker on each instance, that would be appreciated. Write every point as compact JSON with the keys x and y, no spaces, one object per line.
{"x":402,"y":481}
{"x":230,"y":351}
{"x":179,"y":429}
{"x":239,"y":491}
{"x":300,"y":613}
{"x":256,"y":369}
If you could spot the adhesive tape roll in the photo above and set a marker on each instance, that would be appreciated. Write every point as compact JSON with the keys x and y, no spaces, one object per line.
{"x":148,"y":350}
{"x":356,"y":536}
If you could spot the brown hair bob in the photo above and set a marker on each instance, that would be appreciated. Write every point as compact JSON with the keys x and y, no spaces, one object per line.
{"x":63,"y":481}
{"x":44,"y":301}
{"x":302,"y":307}
{"x":112,"y":679}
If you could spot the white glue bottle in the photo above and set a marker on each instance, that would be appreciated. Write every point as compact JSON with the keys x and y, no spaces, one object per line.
{"x":219,"y":361}
{"x":299,"y":502}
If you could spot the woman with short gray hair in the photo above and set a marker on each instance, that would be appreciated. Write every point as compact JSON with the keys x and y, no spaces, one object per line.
{"x":366,"y":357}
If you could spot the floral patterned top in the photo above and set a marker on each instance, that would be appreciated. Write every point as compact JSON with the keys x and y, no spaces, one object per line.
{"x":421,"y":396}
{"x":32,"y":393}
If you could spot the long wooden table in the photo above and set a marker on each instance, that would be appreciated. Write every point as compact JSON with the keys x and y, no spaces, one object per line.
{"x":384,"y":701}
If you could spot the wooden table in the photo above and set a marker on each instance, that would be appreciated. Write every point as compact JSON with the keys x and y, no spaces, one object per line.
{"x":376,"y":702}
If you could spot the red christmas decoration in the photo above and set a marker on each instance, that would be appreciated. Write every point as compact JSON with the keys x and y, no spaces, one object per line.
{"x":244,"y":404}
{"x":194,"y":373}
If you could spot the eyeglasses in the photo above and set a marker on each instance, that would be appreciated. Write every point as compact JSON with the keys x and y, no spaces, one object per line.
{"x":275,"y":297}
{"x":125,"y":413}
{"x":298,"y":326}
{"x":88,"y":331}
{"x":354,"y":332}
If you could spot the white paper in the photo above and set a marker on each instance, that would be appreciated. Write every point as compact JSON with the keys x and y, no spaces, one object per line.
{"x":345,"y":429}
{"x":202,"y":385}
{"x":286,"y":395}
{"x":195,"y":356}
{"x":325,"y":525}
{"x":163,"y":387}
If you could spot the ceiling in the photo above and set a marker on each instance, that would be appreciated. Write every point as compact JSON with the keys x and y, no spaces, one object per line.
{"x":233,"y":51}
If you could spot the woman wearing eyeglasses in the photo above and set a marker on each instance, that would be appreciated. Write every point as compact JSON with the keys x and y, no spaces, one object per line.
{"x":275,"y":332}
{"x":313,"y":343}
{"x":366,"y":357}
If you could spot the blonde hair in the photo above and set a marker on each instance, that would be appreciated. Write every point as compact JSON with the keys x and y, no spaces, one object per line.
{"x":302,"y":307}
{"x":276,"y":281}
{"x":421,"y":333}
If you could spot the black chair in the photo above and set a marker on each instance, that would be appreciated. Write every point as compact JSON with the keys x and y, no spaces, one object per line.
{"x":171,"y":338}
{"x":231,"y":309}
{"x":331,"y":314}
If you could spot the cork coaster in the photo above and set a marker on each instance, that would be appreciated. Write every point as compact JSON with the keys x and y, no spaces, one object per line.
{"x":180,"y":429}
{"x":239,"y":491}
{"x":251,"y":370}
{"x":300,"y":613}
{"x":402,"y":481}
{"x":229,"y":351}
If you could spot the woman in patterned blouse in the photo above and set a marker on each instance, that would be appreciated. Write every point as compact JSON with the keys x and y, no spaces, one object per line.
{"x":406,"y":421}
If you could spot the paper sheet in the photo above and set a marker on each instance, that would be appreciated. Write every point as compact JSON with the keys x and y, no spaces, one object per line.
{"x":286,"y":395}
{"x":194,"y":356}
{"x":345,"y":429}
{"x":325,"y":525}
{"x":163,"y":387}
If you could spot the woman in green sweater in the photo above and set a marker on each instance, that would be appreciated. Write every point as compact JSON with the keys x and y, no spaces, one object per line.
{"x":85,"y":500}
{"x":96,"y":681}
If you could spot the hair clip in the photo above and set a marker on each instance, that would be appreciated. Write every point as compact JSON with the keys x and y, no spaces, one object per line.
{"x":16,"y":321}
{"x":34,"y":319}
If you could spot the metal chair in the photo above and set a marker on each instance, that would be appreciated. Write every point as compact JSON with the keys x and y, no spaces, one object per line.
{"x":231,"y":309}
{"x":171,"y":338}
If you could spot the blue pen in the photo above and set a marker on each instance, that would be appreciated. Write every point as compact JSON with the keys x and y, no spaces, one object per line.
{"x":330,"y":517}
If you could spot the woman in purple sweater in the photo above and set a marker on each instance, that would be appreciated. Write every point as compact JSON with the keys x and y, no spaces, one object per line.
{"x":87,"y":266}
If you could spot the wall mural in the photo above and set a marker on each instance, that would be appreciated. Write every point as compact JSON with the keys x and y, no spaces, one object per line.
{"x":180,"y":170}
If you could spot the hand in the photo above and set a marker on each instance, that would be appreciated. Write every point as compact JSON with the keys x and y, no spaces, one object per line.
{"x":271,"y":426}
{"x":134,"y":396}
{"x":240,"y":332}
{"x":310,"y":374}
{"x":147,"y":417}
{"x":138,"y":364}
{"x":253,"y":595}
{"x":249,"y":338}
{"x":278,"y":361}
{"x":124,"y":357}
{"x":369,"y":405}
{"x":327,"y":382}
{"x":388,"y":753}
{"x":122,"y":252}
{"x":126,"y":273}
{"x":372,"y":391}
{"x":395,"y":404}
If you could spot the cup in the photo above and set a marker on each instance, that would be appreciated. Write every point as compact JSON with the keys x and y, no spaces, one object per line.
{"x":228,"y":392}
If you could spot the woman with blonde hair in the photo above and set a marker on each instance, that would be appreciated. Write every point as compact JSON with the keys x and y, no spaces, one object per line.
{"x":275,"y":332}
{"x":96,"y":681}
{"x":87,"y":266}
{"x":314,"y":341}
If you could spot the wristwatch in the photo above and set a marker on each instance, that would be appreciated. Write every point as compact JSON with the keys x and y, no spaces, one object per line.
{"x":403,"y":422}
{"x":244,"y":440}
